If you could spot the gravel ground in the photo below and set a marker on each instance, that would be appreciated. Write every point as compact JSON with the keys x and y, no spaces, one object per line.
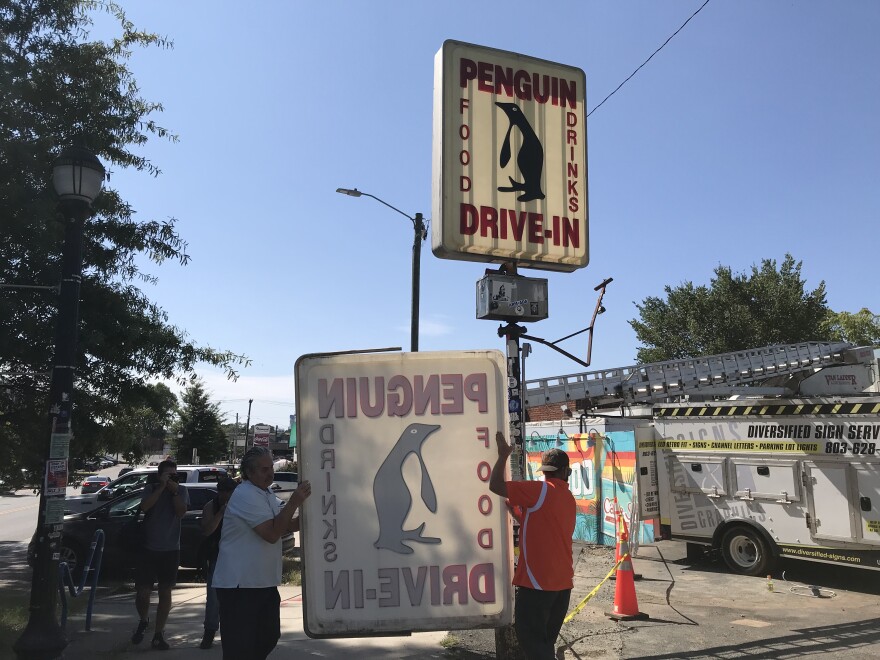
{"x":588,"y":635}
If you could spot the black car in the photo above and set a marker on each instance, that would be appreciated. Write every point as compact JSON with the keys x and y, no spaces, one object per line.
{"x":79,"y":529}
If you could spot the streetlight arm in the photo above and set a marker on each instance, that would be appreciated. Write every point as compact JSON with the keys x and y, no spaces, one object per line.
{"x":419,"y":235}
{"x":354,"y":192}
{"x":394,"y":208}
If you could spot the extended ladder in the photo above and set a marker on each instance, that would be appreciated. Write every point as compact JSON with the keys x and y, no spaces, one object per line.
{"x":658,"y":381}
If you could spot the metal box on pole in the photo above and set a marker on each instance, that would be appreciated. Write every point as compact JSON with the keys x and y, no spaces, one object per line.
{"x":512,"y":298}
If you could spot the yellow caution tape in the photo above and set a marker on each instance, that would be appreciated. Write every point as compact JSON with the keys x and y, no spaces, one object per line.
{"x":595,"y":590}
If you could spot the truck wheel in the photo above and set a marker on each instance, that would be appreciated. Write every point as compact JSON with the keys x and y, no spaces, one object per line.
{"x":746,"y":552}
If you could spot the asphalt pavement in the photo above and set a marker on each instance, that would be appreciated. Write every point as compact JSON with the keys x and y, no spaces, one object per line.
{"x":696,"y":610}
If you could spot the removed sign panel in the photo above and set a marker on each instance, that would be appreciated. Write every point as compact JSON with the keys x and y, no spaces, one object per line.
{"x":401,"y":533}
{"x":510,"y":159}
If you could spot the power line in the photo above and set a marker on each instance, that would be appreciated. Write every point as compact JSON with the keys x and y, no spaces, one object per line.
{"x":274,"y":403}
{"x":649,"y":59}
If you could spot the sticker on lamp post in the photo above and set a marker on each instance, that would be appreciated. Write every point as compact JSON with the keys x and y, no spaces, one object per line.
{"x":510,"y":159}
{"x":401,"y":532}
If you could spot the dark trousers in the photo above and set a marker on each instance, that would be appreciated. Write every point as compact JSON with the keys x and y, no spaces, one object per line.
{"x":250,"y":622}
{"x":538,"y":619}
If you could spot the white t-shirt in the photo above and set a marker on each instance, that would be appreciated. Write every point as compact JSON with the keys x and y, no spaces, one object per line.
{"x":246,"y":559}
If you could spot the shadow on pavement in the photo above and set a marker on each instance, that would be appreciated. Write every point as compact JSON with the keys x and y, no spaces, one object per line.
{"x":804,"y":642}
{"x":15,"y":574}
{"x":827,"y":576}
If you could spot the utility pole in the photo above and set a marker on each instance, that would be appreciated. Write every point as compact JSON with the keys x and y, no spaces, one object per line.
{"x":247,"y":426}
{"x":234,"y":440}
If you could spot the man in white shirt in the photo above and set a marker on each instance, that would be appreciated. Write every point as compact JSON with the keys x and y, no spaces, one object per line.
{"x":248,"y":568}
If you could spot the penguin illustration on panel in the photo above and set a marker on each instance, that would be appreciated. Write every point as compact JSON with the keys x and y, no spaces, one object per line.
{"x":392,"y":496}
{"x":529,"y":160}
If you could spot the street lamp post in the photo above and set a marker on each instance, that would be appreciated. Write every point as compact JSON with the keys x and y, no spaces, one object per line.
{"x":419,"y":234}
{"x":77,"y":178}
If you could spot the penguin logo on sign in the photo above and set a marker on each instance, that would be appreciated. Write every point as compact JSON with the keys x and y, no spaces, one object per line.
{"x":529,"y":159}
{"x":393,"y":497}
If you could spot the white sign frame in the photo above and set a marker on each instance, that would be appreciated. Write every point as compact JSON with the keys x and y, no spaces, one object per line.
{"x":510,"y":180}
{"x":374,"y":560}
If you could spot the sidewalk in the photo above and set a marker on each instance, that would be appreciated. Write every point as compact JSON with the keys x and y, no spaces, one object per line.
{"x":114,"y":619}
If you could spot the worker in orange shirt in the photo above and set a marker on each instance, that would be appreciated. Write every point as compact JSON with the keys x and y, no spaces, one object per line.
{"x":545,"y":573}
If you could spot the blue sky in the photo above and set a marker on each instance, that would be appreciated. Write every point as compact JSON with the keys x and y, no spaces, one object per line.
{"x":753,"y":133}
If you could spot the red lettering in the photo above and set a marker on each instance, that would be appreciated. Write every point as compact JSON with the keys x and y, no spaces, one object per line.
{"x":522,"y":85}
{"x":484,"y":504}
{"x":483,"y":434}
{"x":485,"y":539}
{"x":573,"y":204}
{"x":464,"y":131}
{"x":464,"y":184}
{"x":464,"y":157}
{"x":486,"y":573}
{"x":464,"y":103}
{"x":536,"y":228}
{"x":571,"y":136}
{"x":475,"y":389}
{"x":571,"y":233}
{"x":484,"y":77}
{"x":571,"y":119}
{"x":452,"y":392}
{"x":488,"y":221}
{"x":517,"y":224}
{"x":467,"y":71}
{"x":484,"y":471}
{"x":455,"y":582}
{"x":469,"y":220}
{"x":572,"y":188}
{"x":495,"y":79}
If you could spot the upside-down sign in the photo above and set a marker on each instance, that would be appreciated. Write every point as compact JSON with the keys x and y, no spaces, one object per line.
{"x":510,"y":159}
{"x":401,"y":532}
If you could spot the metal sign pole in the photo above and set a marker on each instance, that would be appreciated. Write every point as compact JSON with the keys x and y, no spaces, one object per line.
{"x":506,"y":643}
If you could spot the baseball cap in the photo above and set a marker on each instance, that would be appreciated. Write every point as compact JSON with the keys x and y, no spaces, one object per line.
{"x":553,"y":460}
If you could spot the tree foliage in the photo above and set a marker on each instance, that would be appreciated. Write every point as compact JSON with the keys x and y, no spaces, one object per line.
{"x":141,"y":430}
{"x":861,"y":328}
{"x":59,"y":86}
{"x":769,"y":305}
{"x":199,"y":427}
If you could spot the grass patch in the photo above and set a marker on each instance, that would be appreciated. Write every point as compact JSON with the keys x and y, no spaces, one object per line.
{"x":450,"y":641}
{"x":13,"y":617}
{"x":291,"y":571}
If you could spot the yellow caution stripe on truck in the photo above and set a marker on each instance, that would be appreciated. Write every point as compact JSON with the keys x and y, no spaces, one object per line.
{"x":794,"y":409}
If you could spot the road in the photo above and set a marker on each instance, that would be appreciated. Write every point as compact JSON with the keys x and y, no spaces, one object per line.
{"x":18,"y":511}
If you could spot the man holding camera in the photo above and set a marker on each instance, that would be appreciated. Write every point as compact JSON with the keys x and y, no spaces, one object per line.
{"x":164,"y":502}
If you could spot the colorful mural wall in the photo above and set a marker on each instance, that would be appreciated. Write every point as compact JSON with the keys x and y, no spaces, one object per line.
{"x":603,"y":467}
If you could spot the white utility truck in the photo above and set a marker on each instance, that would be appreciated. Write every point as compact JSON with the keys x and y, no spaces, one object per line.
{"x":788,"y":464}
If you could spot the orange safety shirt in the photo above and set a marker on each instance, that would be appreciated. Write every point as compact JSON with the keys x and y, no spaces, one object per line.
{"x":549,"y":512}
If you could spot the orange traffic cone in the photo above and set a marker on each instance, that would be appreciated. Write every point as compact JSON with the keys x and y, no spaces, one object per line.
{"x":626,"y":605}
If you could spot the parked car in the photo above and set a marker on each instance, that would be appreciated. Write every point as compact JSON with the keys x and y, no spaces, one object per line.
{"x":285,"y":483}
{"x":94,"y":483}
{"x":125,"y":470}
{"x":135,"y":479}
{"x":79,"y":529}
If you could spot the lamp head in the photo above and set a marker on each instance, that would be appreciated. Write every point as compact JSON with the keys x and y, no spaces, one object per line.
{"x":77,"y":175}
{"x":351,"y":192}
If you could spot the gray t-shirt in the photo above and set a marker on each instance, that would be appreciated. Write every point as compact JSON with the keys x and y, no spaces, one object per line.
{"x":162,"y":526}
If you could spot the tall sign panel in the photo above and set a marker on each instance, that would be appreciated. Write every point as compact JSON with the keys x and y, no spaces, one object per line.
{"x":262,"y":433}
{"x":510,"y":159}
{"x":401,"y":532}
